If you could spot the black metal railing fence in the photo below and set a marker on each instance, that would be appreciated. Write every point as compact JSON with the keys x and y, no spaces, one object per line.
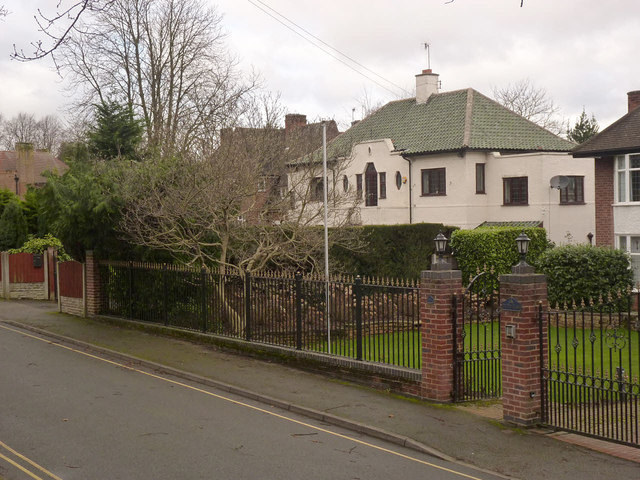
{"x":366,"y":319}
{"x":590,"y":371}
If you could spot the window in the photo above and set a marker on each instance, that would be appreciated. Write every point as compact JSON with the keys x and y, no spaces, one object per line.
{"x":480,"y":178}
{"x":631,"y":244}
{"x":398,"y":180}
{"x":434,"y":181}
{"x":628,"y":178}
{"x":359,"y":185}
{"x":317,"y":190}
{"x":345,"y":183}
{"x":573,"y":194}
{"x":383,"y":184}
{"x":516,"y":190}
{"x":371,"y":186}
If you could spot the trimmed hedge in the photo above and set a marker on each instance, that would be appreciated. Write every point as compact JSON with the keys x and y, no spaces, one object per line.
{"x":395,"y":251}
{"x":494,"y":248}
{"x":577,"y":273}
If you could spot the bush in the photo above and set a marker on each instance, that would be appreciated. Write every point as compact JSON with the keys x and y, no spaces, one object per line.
{"x":13,"y":227}
{"x":40,"y":245}
{"x":577,"y":273}
{"x":395,"y":251}
{"x":494,"y":248}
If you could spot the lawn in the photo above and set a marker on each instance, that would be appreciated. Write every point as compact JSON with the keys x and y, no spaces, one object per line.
{"x":579,"y":358}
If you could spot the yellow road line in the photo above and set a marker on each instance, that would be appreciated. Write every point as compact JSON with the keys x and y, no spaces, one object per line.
{"x":30,"y":462}
{"x":20,"y":467}
{"x":252,"y":407}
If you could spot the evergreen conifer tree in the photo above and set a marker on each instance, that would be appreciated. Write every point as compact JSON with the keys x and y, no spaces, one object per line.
{"x":13,"y":227}
{"x":117,"y":132}
{"x":584,"y":129}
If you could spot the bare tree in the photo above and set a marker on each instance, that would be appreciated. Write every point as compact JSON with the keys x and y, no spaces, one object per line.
{"x":57,"y":26}
{"x":166,"y":59}
{"x":21,"y":128}
{"x":243,"y":207}
{"x":47,"y":133}
{"x":50,"y":133}
{"x":3,"y":11}
{"x":532,"y":103}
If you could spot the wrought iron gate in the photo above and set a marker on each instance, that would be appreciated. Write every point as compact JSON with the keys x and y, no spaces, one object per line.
{"x":590,"y":374}
{"x":476,"y":349}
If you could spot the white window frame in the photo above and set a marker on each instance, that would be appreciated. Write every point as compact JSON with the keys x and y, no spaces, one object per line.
{"x":631,"y":245}
{"x":622,"y":170}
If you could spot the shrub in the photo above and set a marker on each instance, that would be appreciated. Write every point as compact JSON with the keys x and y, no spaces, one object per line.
{"x":494,"y":248}
{"x":13,"y":227}
{"x":395,"y":251}
{"x":577,"y":273}
{"x":40,"y":245}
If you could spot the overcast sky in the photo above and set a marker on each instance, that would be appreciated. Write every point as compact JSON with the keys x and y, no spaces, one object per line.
{"x":583,"y":52}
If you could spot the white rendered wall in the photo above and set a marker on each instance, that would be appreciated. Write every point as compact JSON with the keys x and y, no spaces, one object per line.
{"x":461,"y":206}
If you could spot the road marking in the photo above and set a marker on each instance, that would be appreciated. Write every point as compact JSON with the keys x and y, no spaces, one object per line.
{"x":246,"y":405}
{"x":29,"y":461}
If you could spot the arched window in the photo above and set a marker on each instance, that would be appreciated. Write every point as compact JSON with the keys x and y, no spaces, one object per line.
{"x":371,"y":186}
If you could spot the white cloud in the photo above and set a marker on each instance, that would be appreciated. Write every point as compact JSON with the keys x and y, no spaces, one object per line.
{"x":584,"y":53}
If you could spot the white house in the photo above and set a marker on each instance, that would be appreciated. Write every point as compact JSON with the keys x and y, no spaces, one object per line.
{"x":460,"y":158}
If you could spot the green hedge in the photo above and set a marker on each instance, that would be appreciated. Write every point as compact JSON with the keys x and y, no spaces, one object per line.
{"x":577,"y":273}
{"x":494,"y":248}
{"x":395,"y":251}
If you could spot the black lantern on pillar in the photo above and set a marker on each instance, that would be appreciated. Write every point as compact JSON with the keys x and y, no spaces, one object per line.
{"x":522,"y":242}
{"x":441,"y":244}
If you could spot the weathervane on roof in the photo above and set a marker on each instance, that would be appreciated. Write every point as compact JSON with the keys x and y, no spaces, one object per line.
{"x":427,"y":47}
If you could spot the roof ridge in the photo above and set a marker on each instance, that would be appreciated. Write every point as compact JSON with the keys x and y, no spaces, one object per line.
{"x":524,"y":118}
{"x":468,"y":117}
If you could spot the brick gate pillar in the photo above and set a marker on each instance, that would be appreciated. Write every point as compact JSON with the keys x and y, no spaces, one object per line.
{"x":92,"y":287}
{"x":522,"y":293}
{"x":437,"y":287}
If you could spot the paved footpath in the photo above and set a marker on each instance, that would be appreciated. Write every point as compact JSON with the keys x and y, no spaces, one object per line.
{"x":449,"y":432}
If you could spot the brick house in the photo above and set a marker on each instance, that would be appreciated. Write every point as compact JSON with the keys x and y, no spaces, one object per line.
{"x":274,"y":147}
{"x":24,"y":166}
{"x":617,"y":181}
{"x":462,"y":159}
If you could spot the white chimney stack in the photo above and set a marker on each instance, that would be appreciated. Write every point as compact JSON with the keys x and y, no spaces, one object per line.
{"x":426,"y":85}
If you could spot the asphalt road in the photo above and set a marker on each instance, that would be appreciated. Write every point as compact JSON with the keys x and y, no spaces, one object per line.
{"x":68,"y":414}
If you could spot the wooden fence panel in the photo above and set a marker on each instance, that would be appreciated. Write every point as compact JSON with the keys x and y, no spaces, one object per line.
{"x":70,"y":279}
{"x":21,"y":269}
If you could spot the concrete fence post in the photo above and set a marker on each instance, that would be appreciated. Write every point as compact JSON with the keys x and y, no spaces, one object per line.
{"x":522,"y":295}
{"x":437,"y":288}
{"x":4,"y":258}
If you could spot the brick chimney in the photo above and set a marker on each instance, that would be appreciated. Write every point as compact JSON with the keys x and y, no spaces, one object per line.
{"x":24,"y":165}
{"x":426,"y":85}
{"x":293,"y":121}
{"x":633,"y":99}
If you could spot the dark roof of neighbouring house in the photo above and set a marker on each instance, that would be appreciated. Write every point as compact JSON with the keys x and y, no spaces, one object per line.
{"x":43,"y":161}
{"x":623,"y":136}
{"x":448,"y":122}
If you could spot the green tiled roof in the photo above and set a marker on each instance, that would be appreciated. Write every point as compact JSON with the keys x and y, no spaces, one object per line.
{"x":521,"y":224}
{"x":451,"y":121}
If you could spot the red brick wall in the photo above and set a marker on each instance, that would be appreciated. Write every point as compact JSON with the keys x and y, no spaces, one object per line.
{"x":633,"y":100}
{"x":604,"y":200}
{"x":436,"y":292}
{"x":521,"y":388}
{"x":93,"y":291}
